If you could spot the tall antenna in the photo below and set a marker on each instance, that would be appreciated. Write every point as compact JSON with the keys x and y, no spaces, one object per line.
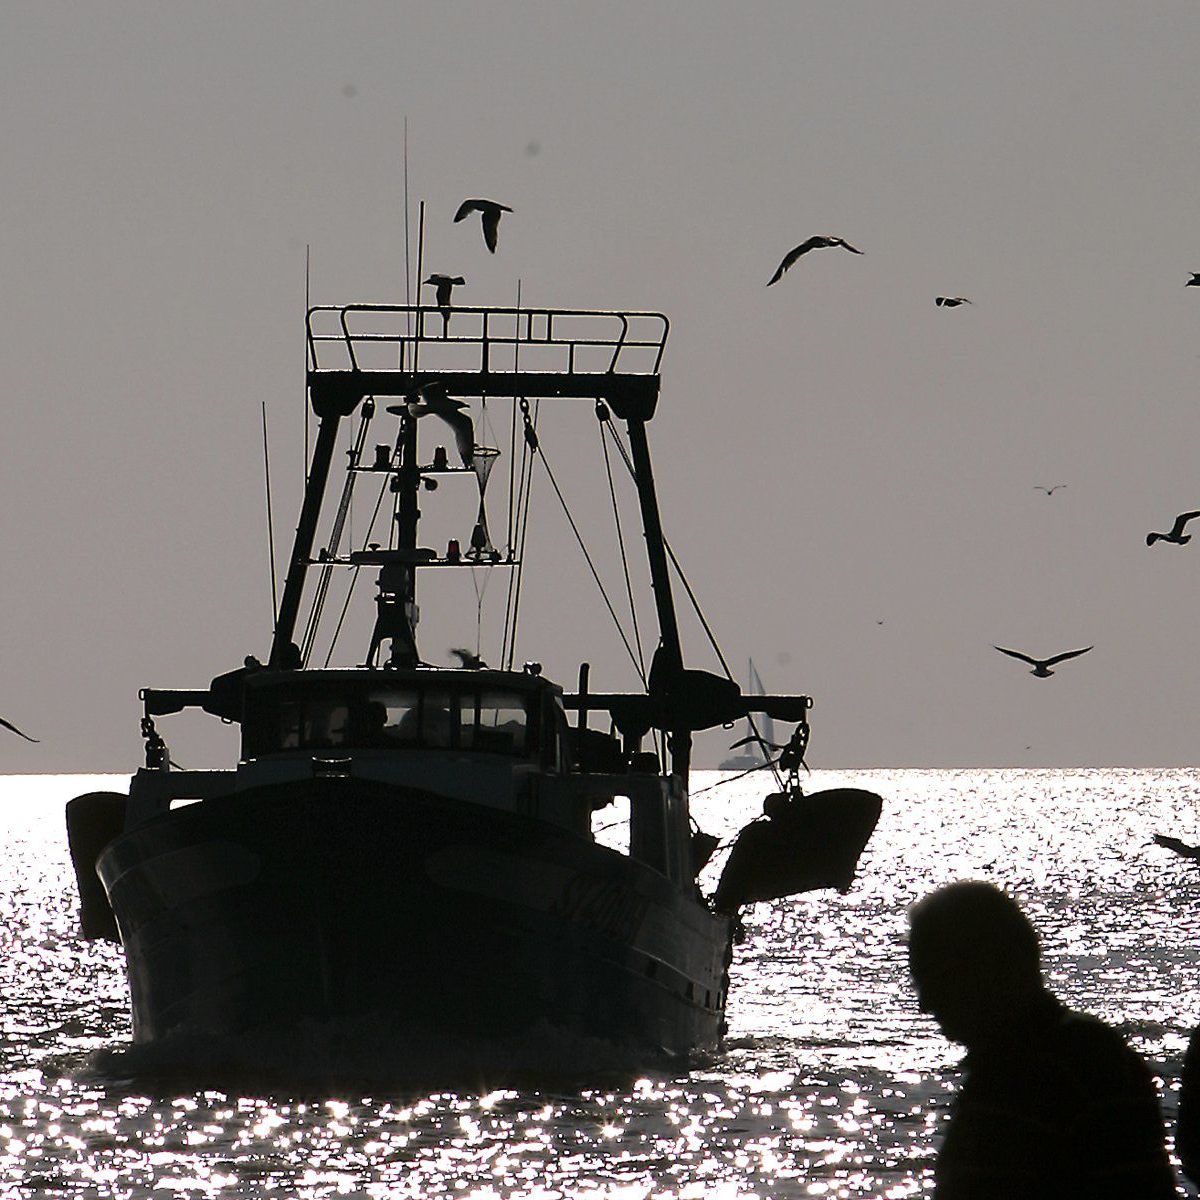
{"x":408,"y":280}
{"x":420,"y":258}
{"x":307,"y":351}
{"x":270,"y":517}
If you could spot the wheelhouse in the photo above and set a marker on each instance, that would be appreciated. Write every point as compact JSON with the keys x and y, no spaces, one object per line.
{"x":513,"y":715}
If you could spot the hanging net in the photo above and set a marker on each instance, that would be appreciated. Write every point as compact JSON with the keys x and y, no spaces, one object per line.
{"x":481,"y":541}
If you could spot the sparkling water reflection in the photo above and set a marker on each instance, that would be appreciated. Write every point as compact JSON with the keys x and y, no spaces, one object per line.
{"x":830,"y":1083}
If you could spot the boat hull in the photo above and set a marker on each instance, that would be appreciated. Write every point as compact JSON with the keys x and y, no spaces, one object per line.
{"x":341,"y":900}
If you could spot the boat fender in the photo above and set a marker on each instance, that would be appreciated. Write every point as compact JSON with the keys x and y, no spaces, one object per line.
{"x":93,"y":820}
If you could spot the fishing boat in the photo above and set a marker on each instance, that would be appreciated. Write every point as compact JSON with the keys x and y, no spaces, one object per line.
{"x":414,"y":843}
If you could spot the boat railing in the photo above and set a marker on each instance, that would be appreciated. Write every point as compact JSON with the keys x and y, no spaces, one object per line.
{"x":410,"y":338}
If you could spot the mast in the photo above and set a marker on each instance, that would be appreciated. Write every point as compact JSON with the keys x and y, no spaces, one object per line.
{"x":396,"y":601}
{"x":669,"y":658}
{"x":283,"y":648}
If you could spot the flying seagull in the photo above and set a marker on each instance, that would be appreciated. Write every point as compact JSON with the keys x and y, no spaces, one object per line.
{"x":444,"y":284}
{"x":952,"y":301}
{"x":489,"y":212}
{"x":468,"y":658}
{"x":1041,"y":666}
{"x":1038,"y":487}
{"x":1194,"y":281}
{"x":1176,"y":535}
{"x":813,"y":243}
{"x":432,"y":398}
{"x":10,"y":725}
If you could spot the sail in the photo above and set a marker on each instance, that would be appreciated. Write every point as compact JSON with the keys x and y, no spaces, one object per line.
{"x":766,"y":726}
{"x":752,"y":753}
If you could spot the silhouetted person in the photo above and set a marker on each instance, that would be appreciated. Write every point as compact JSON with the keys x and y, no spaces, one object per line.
{"x":1187,"y":1124}
{"x":1053,"y":1104}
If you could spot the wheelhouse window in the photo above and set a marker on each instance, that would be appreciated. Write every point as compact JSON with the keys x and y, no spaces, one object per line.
{"x":488,"y":720}
{"x":495,"y":721}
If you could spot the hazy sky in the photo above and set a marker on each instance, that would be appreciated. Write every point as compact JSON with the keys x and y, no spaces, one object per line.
{"x":832,"y":452}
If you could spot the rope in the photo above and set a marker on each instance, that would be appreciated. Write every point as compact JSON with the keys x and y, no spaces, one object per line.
{"x":773,"y":763}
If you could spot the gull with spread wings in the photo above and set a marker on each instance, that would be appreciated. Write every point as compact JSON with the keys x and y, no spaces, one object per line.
{"x":432,"y":398}
{"x":1176,"y":533}
{"x":489,"y":212}
{"x":1041,"y":666}
{"x":813,"y":243}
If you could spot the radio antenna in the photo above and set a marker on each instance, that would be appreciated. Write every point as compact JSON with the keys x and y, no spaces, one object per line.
{"x":270,"y":518}
{"x":408,"y":279}
{"x":307,"y":353}
{"x":420,"y":257}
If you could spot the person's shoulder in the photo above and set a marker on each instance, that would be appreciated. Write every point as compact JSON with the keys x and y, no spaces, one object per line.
{"x":1098,"y":1054}
{"x":1089,"y":1031}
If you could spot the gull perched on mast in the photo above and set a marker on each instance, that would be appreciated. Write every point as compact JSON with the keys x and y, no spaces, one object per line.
{"x":489,"y":212}
{"x":813,"y":243}
{"x":1176,"y":533}
{"x":431,"y":397}
{"x":1041,"y":666}
{"x":444,"y":285}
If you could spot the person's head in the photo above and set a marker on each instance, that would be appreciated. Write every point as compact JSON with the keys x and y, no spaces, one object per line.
{"x":974,"y":958}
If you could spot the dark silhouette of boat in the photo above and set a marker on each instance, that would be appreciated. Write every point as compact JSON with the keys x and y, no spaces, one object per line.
{"x":414,"y":843}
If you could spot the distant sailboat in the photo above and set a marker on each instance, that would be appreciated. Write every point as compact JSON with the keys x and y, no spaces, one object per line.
{"x":753,"y":753}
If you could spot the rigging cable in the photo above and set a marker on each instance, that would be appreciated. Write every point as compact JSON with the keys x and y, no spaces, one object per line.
{"x":515,"y":495}
{"x":309,"y":354}
{"x":354,"y":577}
{"x":588,"y":559}
{"x":335,"y":533}
{"x":678,"y":569}
{"x":512,"y":429}
{"x":602,"y":416}
{"x":270,"y":518}
{"x":526,"y":491}
{"x":772,"y":763}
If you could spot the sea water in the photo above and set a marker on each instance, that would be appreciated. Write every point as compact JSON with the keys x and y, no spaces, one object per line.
{"x":829,"y":1084}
